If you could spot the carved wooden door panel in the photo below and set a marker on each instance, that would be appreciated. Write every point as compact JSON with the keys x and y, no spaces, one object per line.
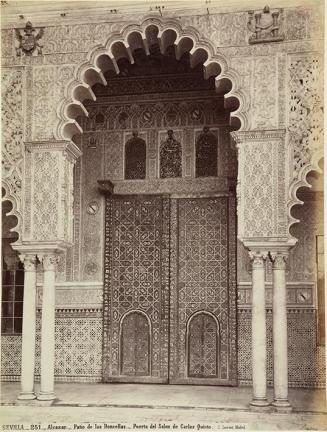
{"x":170,"y":281}
{"x":136,"y":289}
{"x":202,"y":291}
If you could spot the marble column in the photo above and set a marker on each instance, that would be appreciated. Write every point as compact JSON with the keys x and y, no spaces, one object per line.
{"x":48,"y":328}
{"x":280,"y":332}
{"x":259,"y":351}
{"x":28,"y":333}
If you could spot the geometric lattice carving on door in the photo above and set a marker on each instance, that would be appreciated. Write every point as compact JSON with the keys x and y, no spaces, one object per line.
{"x":135,"y":345}
{"x":136,"y":279}
{"x":203,"y":278}
{"x":203,"y":343}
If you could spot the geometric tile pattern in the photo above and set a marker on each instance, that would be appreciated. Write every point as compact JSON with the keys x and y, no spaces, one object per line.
{"x":136,"y":278}
{"x":306,"y":360}
{"x":77,"y":356}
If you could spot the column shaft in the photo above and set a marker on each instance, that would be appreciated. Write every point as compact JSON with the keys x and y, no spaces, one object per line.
{"x":280,"y":332}
{"x":259,"y":355}
{"x":48,"y":330}
{"x":28,"y":333}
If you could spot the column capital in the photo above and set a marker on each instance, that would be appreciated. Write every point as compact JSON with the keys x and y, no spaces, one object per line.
{"x":258,"y":257}
{"x":279,"y":259}
{"x":49,"y":261}
{"x":29,"y":261}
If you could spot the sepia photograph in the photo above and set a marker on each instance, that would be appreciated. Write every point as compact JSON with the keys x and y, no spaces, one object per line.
{"x":162,"y":255}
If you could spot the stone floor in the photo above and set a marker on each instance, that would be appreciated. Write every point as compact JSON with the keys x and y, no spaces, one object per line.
{"x":137,"y":406}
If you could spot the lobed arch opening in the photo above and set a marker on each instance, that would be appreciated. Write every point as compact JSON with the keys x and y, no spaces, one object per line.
{"x":133,"y":44}
{"x":11,"y":218}
{"x":9,"y":233}
{"x":311,"y":178}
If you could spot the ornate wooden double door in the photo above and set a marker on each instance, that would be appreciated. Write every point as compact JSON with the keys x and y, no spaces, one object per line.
{"x":169,"y":295}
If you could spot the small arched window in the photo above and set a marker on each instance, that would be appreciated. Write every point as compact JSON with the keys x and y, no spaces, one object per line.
{"x":135,"y":158}
{"x":206,"y":154}
{"x":170,"y":157}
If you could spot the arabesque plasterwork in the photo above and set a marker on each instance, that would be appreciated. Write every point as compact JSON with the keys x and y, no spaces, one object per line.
{"x":305,"y":120}
{"x":12,"y":118}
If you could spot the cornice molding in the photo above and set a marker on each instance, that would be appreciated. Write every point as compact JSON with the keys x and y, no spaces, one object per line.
{"x":57,"y":145}
{"x":257,"y":135}
{"x":41,"y":247}
{"x":49,"y":13}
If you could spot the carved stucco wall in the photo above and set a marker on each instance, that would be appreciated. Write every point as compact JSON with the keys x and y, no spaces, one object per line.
{"x":264,"y":70}
{"x":33,"y":87}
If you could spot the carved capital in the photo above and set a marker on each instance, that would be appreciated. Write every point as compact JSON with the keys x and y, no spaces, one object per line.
{"x":49,"y":261}
{"x":29,"y":261}
{"x":258,"y":258}
{"x":279,"y":260}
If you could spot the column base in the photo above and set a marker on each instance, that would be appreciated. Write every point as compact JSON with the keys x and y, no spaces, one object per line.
{"x":26,"y":396}
{"x":282,"y":405}
{"x":259,"y":403}
{"x":46,"y":396}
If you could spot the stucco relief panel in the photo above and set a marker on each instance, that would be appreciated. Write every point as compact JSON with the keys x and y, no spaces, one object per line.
{"x":305,"y":114}
{"x":264,"y":94}
{"x":244,"y":67}
{"x":7,"y":45}
{"x":221,"y":29}
{"x":48,"y":87}
{"x":77,"y":38}
{"x":45,"y":196}
{"x":12,"y":118}
{"x":263,"y":189}
{"x":304,"y":23}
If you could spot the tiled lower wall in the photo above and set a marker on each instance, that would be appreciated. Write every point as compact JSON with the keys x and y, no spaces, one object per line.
{"x":306,"y":360}
{"x":79,"y":350}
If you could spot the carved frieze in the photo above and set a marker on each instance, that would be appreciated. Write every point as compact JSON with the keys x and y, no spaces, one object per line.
{"x":77,"y":38}
{"x":221,"y":29}
{"x":79,"y":295}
